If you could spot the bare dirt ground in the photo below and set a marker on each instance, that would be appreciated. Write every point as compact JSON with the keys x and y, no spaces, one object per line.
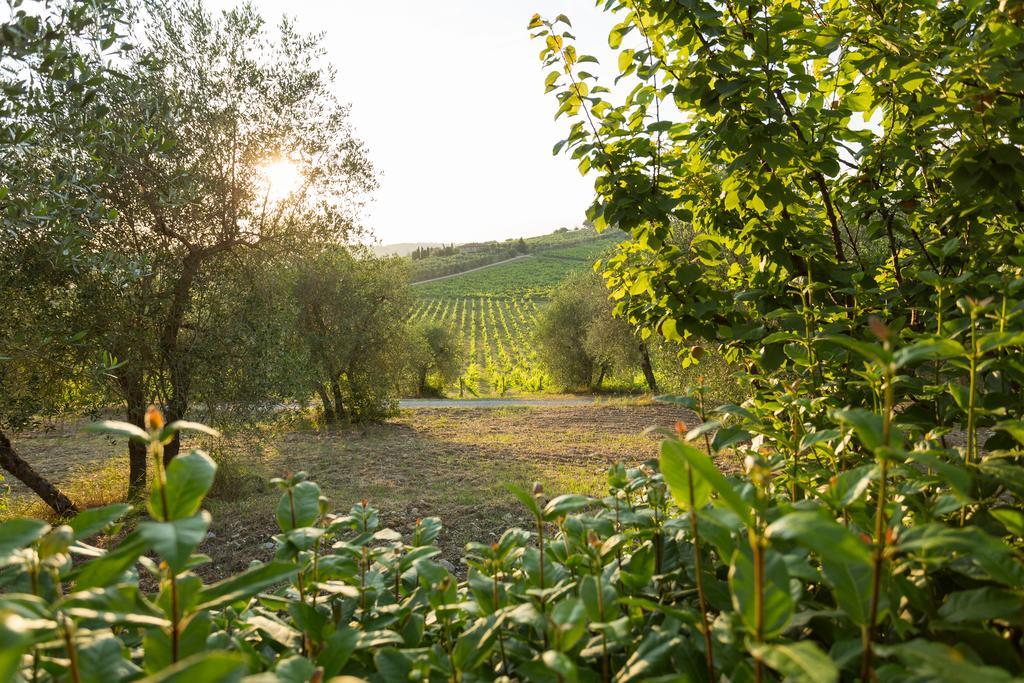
{"x":452,"y":463}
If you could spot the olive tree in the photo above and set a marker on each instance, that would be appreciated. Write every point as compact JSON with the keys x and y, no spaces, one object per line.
{"x":433,"y":350}
{"x":53,"y":56}
{"x":197,"y":119}
{"x":579,"y":340}
{"x":351,"y":310}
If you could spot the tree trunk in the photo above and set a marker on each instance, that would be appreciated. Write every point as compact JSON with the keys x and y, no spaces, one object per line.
{"x":329,"y":415}
{"x":339,"y":405}
{"x":600,"y":377}
{"x":177,"y":361}
{"x":422,"y":388}
{"x":135,"y":413}
{"x":645,"y":365}
{"x":24,"y":473}
{"x":137,"y":456}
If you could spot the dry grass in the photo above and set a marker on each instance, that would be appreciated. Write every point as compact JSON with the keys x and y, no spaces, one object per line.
{"x":453,"y":464}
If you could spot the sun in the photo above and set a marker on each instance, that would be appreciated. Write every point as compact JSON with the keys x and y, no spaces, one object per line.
{"x":281,"y":178}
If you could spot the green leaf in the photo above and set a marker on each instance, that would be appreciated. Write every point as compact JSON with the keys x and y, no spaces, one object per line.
{"x":638,"y":569}
{"x":598,"y":598}
{"x":118,"y":428}
{"x":823,"y":535}
{"x":729,"y":436}
{"x":562,"y":665}
{"x":299,"y":506}
{"x":675,"y":469}
{"x":185,"y":426}
{"x":474,"y":645}
{"x":563,"y":505}
{"x":937,"y":661}
{"x":778,"y":603}
{"x":392,"y":664}
{"x":338,"y":647}
{"x":245,"y":585}
{"x":850,"y":485}
{"x":294,"y":669}
{"x":625,"y":59}
{"x":1011,"y":518}
{"x":208,"y":667}
{"x":19,"y":533}
{"x":991,"y":554}
{"x":927,"y":349}
{"x":787,"y":20}
{"x":869,"y":351}
{"x":868,"y":425}
{"x":175,"y":541}
{"x":982,"y":604}
{"x":704,"y":469}
{"x":189,"y":478}
{"x":90,"y":522}
{"x":103,"y":570}
{"x":14,"y":634}
{"x":1014,"y":428}
{"x":526,"y":499}
{"x":802,"y":662}
{"x":670,"y":330}
{"x":960,"y":480}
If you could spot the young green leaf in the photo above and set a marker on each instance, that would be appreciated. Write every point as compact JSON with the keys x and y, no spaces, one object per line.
{"x":705,"y":470}
{"x":676,"y":470}
{"x":802,"y":662}
{"x":189,"y":478}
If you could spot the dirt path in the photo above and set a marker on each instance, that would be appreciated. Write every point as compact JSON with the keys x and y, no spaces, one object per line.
{"x":473,"y":270}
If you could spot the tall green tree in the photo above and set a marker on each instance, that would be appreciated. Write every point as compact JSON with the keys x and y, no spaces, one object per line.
{"x":351,"y":312}
{"x":580,"y":341}
{"x":197,"y":120}
{"x":434,"y":350}
{"x":856,"y":149}
{"x":53,"y":56}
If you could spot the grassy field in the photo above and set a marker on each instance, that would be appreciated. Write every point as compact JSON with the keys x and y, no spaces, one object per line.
{"x":453,"y":464}
{"x":493,"y":311}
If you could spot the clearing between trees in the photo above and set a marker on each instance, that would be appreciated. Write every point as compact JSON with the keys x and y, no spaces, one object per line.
{"x":452,"y":463}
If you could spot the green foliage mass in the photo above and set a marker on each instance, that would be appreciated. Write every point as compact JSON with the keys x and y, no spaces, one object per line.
{"x":436,"y":351}
{"x":348,"y":310}
{"x":679,"y":571}
{"x":868,"y":280}
{"x":829,"y":193}
{"x":578,"y":340}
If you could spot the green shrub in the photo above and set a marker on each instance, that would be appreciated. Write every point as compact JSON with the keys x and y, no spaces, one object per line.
{"x":679,"y":573}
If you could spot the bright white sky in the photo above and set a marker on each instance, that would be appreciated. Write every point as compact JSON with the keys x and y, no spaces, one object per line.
{"x":449,"y":97}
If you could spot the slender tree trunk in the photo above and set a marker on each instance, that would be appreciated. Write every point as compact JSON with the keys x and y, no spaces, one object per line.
{"x":645,"y":365}
{"x":329,"y":415}
{"x":600,"y":377}
{"x":179,"y":366}
{"x":137,"y":456}
{"x":422,"y":388}
{"x":339,"y":404}
{"x":24,"y":473}
{"x":135,"y":412}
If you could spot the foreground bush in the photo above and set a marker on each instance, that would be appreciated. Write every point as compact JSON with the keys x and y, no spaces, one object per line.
{"x":680,"y":573}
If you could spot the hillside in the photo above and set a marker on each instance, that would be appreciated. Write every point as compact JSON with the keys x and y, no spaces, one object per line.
{"x":431,"y":263}
{"x":493,"y":310}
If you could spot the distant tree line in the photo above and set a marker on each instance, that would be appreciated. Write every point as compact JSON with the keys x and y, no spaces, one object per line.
{"x":423,"y":252}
